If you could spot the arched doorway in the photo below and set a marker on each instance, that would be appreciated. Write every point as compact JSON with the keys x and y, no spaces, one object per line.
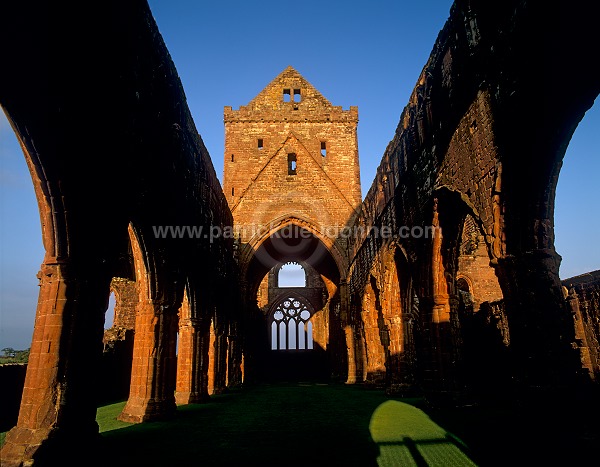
{"x":294,"y":326}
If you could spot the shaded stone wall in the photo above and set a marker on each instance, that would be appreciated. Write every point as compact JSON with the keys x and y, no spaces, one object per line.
{"x":486,"y":366}
{"x":118,"y":342}
{"x":483,"y":134}
{"x":91,"y":215}
{"x":467,"y":145}
{"x":583,"y":299}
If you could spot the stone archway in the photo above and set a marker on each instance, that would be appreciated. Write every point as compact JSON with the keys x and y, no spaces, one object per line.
{"x":295,"y":354}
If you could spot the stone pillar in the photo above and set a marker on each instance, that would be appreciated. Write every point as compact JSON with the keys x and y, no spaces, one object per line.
{"x":234,"y":369}
{"x":57,"y":419}
{"x":185,"y":357}
{"x":153,"y":373}
{"x":374,"y":335}
{"x":220,"y":360}
{"x":392,"y":334}
{"x":437,"y":310}
{"x":580,"y":334}
{"x":542,"y":334}
{"x":211,"y":358}
{"x":192,"y":364}
{"x":349,"y":333}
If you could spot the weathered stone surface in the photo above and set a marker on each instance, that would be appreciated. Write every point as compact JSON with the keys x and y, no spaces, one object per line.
{"x":583,"y":299}
{"x":465,"y":190}
{"x":291,"y":168}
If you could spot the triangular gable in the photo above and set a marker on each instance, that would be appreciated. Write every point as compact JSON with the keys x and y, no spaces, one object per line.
{"x":271,"y":97}
{"x":308,"y":162}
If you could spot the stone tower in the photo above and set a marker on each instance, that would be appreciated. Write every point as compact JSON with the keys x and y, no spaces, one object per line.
{"x":290,"y":153}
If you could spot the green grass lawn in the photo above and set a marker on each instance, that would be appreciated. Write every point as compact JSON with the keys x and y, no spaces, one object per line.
{"x":309,"y":424}
{"x":287,"y":425}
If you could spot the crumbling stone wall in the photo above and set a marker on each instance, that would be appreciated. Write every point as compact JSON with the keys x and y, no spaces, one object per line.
{"x":260,"y":186}
{"x":483,"y":135}
{"x":126,"y":300}
{"x":291,"y":161}
{"x":474,"y":267}
{"x":486,"y":368}
{"x":467,"y":145}
{"x":91,"y":218}
{"x":373,"y":329}
{"x":583,"y":299}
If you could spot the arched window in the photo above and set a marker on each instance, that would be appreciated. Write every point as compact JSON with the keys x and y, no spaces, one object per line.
{"x":291,"y":275}
{"x":463,"y":285}
{"x":290,"y":325}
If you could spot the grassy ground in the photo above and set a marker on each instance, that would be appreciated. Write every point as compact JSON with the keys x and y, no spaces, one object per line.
{"x":288,"y":425}
{"x":333,"y":425}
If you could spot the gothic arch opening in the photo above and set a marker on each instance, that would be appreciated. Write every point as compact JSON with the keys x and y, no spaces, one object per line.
{"x":388,"y":324}
{"x":468,"y":301}
{"x":291,"y":274}
{"x":575,"y":218}
{"x":283,"y":334}
{"x":480,"y":311}
{"x":22,"y":249}
{"x":576,"y":193}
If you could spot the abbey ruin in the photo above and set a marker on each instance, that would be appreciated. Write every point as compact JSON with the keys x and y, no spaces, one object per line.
{"x":443,"y":281}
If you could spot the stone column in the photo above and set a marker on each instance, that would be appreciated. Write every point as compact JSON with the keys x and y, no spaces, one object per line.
{"x":210,"y":381}
{"x":234,"y":369}
{"x":221,"y":354}
{"x":185,"y":356}
{"x":57,"y":419}
{"x":352,"y":376}
{"x":437,"y":310}
{"x":542,"y":335}
{"x":348,"y":332}
{"x":153,"y":372}
{"x":192,"y":365}
{"x":580,"y":334}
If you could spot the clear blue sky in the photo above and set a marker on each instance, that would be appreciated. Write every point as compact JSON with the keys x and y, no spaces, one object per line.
{"x":367,"y":54}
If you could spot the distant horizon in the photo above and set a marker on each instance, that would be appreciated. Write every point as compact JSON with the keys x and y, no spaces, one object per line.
{"x":368,"y":55}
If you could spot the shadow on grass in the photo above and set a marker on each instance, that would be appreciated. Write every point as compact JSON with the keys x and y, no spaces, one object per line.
{"x":331,"y":425}
{"x":406,"y":436}
{"x":283,"y":424}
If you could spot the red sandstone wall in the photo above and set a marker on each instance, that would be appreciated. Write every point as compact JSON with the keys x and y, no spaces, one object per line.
{"x":325,"y":190}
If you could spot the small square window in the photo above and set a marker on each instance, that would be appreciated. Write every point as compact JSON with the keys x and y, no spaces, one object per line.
{"x":297,"y":96}
{"x":260,"y":144}
{"x":286,"y":95}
